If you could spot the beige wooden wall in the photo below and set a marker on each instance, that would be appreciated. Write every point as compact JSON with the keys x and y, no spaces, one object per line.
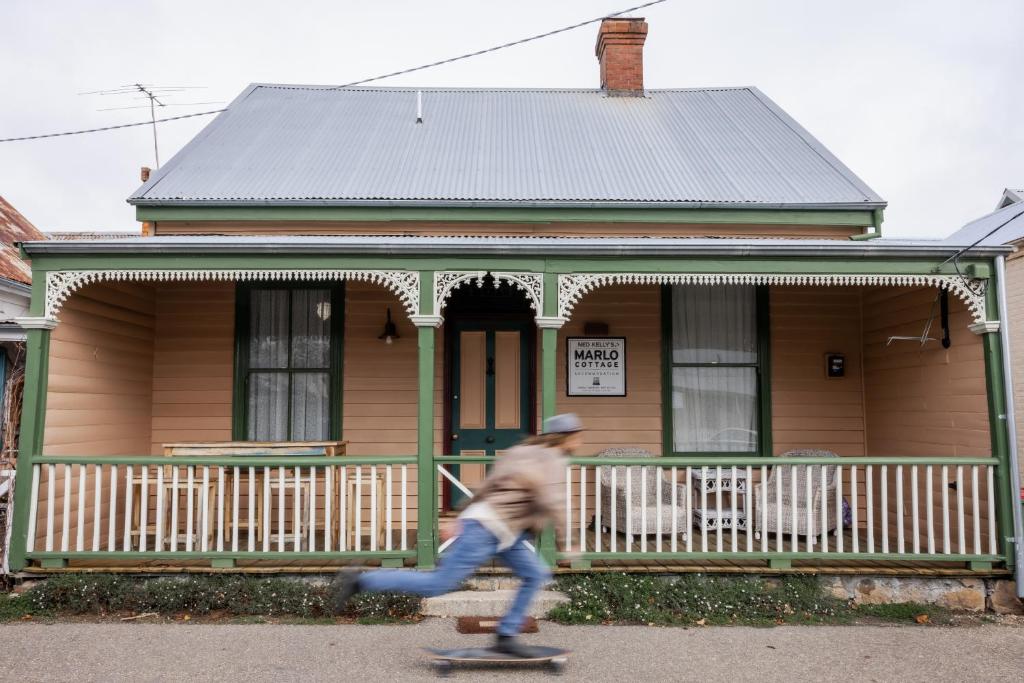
{"x":810,"y":410}
{"x":1015,"y":307}
{"x":926,"y":401}
{"x":428,"y":228}
{"x":922,"y":401}
{"x":633,"y":312}
{"x":193,"y":362}
{"x":100,"y":385}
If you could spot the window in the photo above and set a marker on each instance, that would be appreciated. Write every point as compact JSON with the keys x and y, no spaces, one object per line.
{"x":715,"y":355}
{"x":288,"y":358}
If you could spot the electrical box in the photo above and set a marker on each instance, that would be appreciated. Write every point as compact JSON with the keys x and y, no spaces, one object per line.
{"x":835,"y":365}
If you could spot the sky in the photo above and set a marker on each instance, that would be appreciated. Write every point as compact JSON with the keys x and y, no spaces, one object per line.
{"x":922,"y":99}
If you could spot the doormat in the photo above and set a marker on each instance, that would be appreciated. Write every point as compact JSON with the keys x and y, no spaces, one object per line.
{"x":489,"y":625}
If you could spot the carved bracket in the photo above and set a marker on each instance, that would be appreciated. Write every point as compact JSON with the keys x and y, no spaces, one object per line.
{"x":447,"y":281}
{"x":572,"y":288}
{"x":61,"y":284}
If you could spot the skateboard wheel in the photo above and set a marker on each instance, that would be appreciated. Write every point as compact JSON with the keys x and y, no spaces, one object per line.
{"x":558,"y":665}
{"x":443,"y":668}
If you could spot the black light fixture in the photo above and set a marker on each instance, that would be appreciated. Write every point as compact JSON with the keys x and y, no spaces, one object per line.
{"x":390,"y":333}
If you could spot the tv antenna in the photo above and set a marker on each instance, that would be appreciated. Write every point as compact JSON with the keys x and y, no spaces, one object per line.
{"x":157,"y":96}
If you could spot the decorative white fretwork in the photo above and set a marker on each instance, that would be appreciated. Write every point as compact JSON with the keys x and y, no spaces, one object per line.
{"x":572,"y":288}
{"x":447,"y":281}
{"x":61,"y":284}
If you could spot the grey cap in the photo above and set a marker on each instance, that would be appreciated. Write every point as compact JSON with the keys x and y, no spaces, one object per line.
{"x":566,"y":423}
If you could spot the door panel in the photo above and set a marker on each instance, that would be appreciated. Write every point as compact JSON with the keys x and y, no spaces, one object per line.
{"x":507,"y":381}
{"x":472,"y":380}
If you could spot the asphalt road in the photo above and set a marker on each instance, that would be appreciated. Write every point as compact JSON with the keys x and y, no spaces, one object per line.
{"x":205,"y":652}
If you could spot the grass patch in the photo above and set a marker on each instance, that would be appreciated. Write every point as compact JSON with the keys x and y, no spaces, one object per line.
{"x":706,"y":600}
{"x":236,"y":596}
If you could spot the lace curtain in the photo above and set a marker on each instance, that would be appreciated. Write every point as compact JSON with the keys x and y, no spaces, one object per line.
{"x":289,"y":363}
{"x":714,"y":369}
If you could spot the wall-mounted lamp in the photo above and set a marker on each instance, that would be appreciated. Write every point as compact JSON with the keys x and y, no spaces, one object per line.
{"x":390,"y":333}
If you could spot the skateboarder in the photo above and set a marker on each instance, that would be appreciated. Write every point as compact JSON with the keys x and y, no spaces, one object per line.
{"x":524,"y":492}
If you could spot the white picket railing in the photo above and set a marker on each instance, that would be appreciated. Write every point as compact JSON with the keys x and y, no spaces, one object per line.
{"x":917,"y":508}
{"x":6,"y":515}
{"x":191,"y":505}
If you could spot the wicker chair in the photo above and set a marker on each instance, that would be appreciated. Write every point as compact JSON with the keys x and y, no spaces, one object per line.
{"x":655,"y":478}
{"x":797,"y":499}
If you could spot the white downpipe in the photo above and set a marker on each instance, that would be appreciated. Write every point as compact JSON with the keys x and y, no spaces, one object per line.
{"x":1004,"y":340}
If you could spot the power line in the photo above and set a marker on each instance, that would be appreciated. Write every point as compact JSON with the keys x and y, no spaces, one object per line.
{"x":500,"y":47}
{"x":353,"y":83}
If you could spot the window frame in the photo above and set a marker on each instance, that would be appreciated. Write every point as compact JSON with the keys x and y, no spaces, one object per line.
{"x":762,"y":372}
{"x":242,"y":371}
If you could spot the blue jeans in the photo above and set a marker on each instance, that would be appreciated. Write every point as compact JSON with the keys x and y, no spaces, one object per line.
{"x":474,"y":546}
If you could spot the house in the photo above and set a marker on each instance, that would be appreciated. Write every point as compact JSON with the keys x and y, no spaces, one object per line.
{"x":15,"y":291}
{"x":349,"y":300}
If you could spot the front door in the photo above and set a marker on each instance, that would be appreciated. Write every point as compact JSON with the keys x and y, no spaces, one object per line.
{"x":490,"y":393}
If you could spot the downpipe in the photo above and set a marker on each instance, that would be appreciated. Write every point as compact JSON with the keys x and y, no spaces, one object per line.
{"x":1004,"y":341}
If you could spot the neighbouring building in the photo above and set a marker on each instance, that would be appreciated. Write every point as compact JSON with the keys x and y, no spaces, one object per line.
{"x":350,"y":300}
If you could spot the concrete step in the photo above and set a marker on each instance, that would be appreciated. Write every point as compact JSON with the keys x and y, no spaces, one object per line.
{"x":492,"y":583}
{"x":484,"y":603}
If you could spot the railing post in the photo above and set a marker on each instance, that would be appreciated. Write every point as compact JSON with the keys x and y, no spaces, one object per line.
{"x":549,"y":324}
{"x":996,"y":390}
{"x":426,"y":323}
{"x":37,"y":354}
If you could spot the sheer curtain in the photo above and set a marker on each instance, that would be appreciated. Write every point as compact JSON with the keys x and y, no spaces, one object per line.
{"x":289,"y":365}
{"x":714,"y":373}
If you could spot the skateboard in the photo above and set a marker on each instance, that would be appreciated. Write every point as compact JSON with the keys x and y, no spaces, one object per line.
{"x":555,"y":658}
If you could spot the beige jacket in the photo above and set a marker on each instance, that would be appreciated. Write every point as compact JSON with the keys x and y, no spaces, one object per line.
{"x":526,"y":489}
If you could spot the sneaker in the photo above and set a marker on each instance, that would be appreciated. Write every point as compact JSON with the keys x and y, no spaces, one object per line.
{"x":344,"y":585}
{"x":510,"y":645}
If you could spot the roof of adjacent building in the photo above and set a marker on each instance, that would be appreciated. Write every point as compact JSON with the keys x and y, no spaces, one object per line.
{"x":1011,"y":195}
{"x":318,"y":145}
{"x":1002,"y":226}
{"x":65,"y":235}
{"x":15,"y":228}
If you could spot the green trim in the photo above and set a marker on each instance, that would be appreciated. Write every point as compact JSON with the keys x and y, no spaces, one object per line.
{"x":222,"y":563}
{"x":546,"y":541}
{"x":751,"y":460}
{"x":762,"y":369}
{"x":37,"y":360}
{"x":822,"y":217}
{"x":780,"y":564}
{"x":999,"y":436}
{"x":54,"y":563}
{"x":240,"y":403}
{"x":853,"y":264}
{"x":979,"y":566}
{"x":427,"y":511}
{"x":229,"y":460}
{"x":785,"y":556}
{"x":221,"y":555}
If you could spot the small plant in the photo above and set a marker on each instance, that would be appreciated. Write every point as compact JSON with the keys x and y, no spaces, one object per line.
{"x":198,"y":595}
{"x":696,"y":599}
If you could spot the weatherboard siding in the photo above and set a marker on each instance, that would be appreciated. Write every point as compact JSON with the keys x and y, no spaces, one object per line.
{"x":1015,"y":328}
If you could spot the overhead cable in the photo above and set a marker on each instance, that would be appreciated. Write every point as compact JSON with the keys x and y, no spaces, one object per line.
{"x":360,"y":82}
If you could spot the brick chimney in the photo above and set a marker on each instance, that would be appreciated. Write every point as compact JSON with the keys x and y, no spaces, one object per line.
{"x":620,"y":50}
{"x":145,"y":173}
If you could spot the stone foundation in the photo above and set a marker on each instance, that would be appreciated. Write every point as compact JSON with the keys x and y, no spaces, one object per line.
{"x":970,"y":594}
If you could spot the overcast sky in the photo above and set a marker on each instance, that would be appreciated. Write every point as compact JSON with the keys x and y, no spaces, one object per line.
{"x":921,"y":98}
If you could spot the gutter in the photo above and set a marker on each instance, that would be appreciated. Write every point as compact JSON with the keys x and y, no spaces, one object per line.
{"x":171,"y":203}
{"x":417,"y":246}
{"x":873,"y":234}
{"x":1011,"y":425}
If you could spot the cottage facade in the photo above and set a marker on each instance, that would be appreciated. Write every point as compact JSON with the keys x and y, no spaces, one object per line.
{"x":349,"y":300}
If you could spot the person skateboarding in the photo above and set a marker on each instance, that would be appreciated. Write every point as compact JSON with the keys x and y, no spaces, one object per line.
{"x":523,"y":493}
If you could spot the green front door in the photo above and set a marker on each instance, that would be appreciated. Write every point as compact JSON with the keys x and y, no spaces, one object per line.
{"x":490,"y":393}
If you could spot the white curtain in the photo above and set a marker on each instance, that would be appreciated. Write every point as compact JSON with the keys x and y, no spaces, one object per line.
{"x":714,"y":407}
{"x":289,"y":330}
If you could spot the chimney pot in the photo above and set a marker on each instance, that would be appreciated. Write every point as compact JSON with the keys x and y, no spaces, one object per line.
{"x":620,"y":51}
{"x":146,"y":170}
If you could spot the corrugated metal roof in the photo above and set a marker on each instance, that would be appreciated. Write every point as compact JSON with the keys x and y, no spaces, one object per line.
{"x":65,"y":235}
{"x":519,"y":246}
{"x":15,"y":228}
{"x":1002,"y":226}
{"x":317,"y":145}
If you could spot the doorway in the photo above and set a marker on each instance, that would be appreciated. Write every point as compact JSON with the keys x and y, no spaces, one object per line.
{"x":490,"y":374}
